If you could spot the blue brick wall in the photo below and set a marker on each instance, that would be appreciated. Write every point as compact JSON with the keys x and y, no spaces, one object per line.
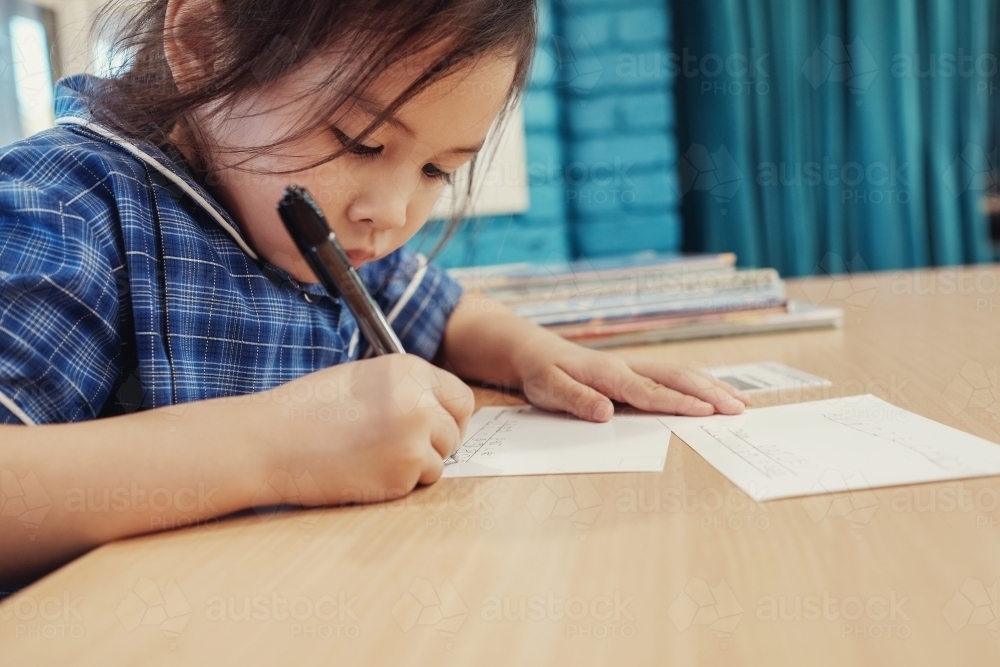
{"x":599,"y":127}
{"x":618,"y":131}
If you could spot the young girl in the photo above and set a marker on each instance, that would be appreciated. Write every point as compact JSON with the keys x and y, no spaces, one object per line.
{"x":143,"y":265}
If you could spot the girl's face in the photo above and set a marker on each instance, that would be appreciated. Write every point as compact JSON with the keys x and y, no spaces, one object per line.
{"x":377,"y":195}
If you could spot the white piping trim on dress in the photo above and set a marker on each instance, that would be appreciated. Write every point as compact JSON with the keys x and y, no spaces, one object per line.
{"x":408,"y":293}
{"x":174,"y":178}
{"x":16,"y":411}
{"x":410,"y":290}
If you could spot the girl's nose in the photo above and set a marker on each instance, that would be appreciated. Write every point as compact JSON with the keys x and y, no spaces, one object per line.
{"x":382,"y":205}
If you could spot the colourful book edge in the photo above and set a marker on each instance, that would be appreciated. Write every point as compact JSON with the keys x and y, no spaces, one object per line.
{"x":797,"y":316}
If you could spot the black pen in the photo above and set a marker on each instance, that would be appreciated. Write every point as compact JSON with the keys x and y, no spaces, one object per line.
{"x":326,"y":257}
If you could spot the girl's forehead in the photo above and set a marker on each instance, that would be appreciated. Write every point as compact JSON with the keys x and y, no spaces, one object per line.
{"x":483,"y":78}
{"x":472,"y":93}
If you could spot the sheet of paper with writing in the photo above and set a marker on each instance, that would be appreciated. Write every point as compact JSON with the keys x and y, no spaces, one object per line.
{"x":528,"y":441}
{"x":841,"y":444}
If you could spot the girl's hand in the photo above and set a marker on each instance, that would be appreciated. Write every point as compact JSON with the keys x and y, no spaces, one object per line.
{"x":369,"y":430}
{"x":561,"y":376}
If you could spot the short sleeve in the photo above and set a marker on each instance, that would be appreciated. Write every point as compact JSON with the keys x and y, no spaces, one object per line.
{"x":417,"y":297}
{"x":58,"y":311}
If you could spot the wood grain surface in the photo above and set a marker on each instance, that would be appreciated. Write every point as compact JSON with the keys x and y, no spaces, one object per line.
{"x":677,"y":568}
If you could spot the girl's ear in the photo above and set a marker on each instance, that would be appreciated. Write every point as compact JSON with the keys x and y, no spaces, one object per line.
{"x":188,"y":43}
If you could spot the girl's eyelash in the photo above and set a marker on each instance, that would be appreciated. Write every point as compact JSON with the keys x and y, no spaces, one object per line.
{"x":354,"y":147}
{"x":432,"y":171}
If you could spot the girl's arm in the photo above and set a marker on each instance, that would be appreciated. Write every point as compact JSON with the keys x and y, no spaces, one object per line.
{"x":112,"y":478}
{"x":358,"y":432}
{"x":485,"y":341}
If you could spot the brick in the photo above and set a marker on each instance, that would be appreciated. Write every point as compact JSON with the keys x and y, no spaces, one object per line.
{"x":506,"y":239}
{"x":642,"y":25}
{"x":590,"y":117}
{"x":624,"y":152}
{"x":579,"y":65}
{"x":543,"y":69}
{"x":652,"y":189}
{"x":545,"y":158}
{"x":541,"y":111}
{"x":592,"y":29}
{"x":645,"y":111}
{"x":546,"y":201}
{"x":598,"y":122}
{"x":587,"y":5}
{"x":626,"y":234}
{"x":618,"y":70}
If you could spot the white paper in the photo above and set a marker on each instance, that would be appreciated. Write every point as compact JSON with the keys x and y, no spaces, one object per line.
{"x":840,"y":444}
{"x":766,"y":376}
{"x":528,"y":441}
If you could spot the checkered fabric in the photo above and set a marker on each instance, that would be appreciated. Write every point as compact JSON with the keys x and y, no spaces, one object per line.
{"x":125,"y":285}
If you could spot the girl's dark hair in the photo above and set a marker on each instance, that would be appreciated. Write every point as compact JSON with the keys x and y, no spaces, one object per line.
{"x":254,"y":42}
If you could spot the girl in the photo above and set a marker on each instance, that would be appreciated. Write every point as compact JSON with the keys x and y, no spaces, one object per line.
{"x":143,"y":265}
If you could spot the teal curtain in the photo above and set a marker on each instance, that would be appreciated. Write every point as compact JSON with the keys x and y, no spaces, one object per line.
{"x":823,"y":135}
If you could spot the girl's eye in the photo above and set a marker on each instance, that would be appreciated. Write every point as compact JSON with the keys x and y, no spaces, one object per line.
{"x":431,"y":171}
{"x":354,"y":147}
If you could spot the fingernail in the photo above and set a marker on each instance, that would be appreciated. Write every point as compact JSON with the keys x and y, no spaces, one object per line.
{"x":732,"y":406}
{"x":602,"y":412}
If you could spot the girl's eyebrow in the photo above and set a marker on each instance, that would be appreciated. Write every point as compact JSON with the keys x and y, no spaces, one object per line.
{"x":465,"y":150}
{"x":374,"y":109}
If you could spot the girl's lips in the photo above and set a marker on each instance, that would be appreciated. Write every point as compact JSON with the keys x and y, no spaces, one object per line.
{"x":359,"y":257}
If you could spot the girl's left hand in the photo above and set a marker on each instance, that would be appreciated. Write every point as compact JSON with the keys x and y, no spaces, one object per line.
{"x":562,"y":376}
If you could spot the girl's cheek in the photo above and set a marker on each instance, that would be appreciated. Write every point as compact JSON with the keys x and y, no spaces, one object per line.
{"x":330,"y":184}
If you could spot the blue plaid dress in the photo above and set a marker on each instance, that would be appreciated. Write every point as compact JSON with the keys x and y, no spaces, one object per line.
{"x":125,"y":285}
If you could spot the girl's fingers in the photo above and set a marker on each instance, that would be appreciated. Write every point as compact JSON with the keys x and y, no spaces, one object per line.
{"x":433,"y":466}
{"x":647,"y":394}
{"x":446,"y":435}
{"x":724,"y":398}
{"x":557,"y":391}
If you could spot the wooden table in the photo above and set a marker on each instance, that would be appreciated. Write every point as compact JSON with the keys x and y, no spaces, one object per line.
{"x":645,"y":569}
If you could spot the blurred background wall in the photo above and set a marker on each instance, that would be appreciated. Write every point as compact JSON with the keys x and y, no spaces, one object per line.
{"x":819,"y":136}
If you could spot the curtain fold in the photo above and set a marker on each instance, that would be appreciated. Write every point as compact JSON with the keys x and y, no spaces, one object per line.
{"x":860,"y":132}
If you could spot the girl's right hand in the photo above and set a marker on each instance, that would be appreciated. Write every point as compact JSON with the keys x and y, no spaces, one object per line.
{"x":365,"y":431}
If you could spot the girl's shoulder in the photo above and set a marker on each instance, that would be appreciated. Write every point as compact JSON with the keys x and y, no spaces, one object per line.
{"x":66,"y":163}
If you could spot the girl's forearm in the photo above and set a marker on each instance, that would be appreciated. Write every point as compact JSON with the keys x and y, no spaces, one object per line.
{"x":123,"y":476}
{"x":485,"y":340}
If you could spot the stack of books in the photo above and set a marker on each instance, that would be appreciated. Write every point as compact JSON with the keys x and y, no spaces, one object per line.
{"x":647,"y":298}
